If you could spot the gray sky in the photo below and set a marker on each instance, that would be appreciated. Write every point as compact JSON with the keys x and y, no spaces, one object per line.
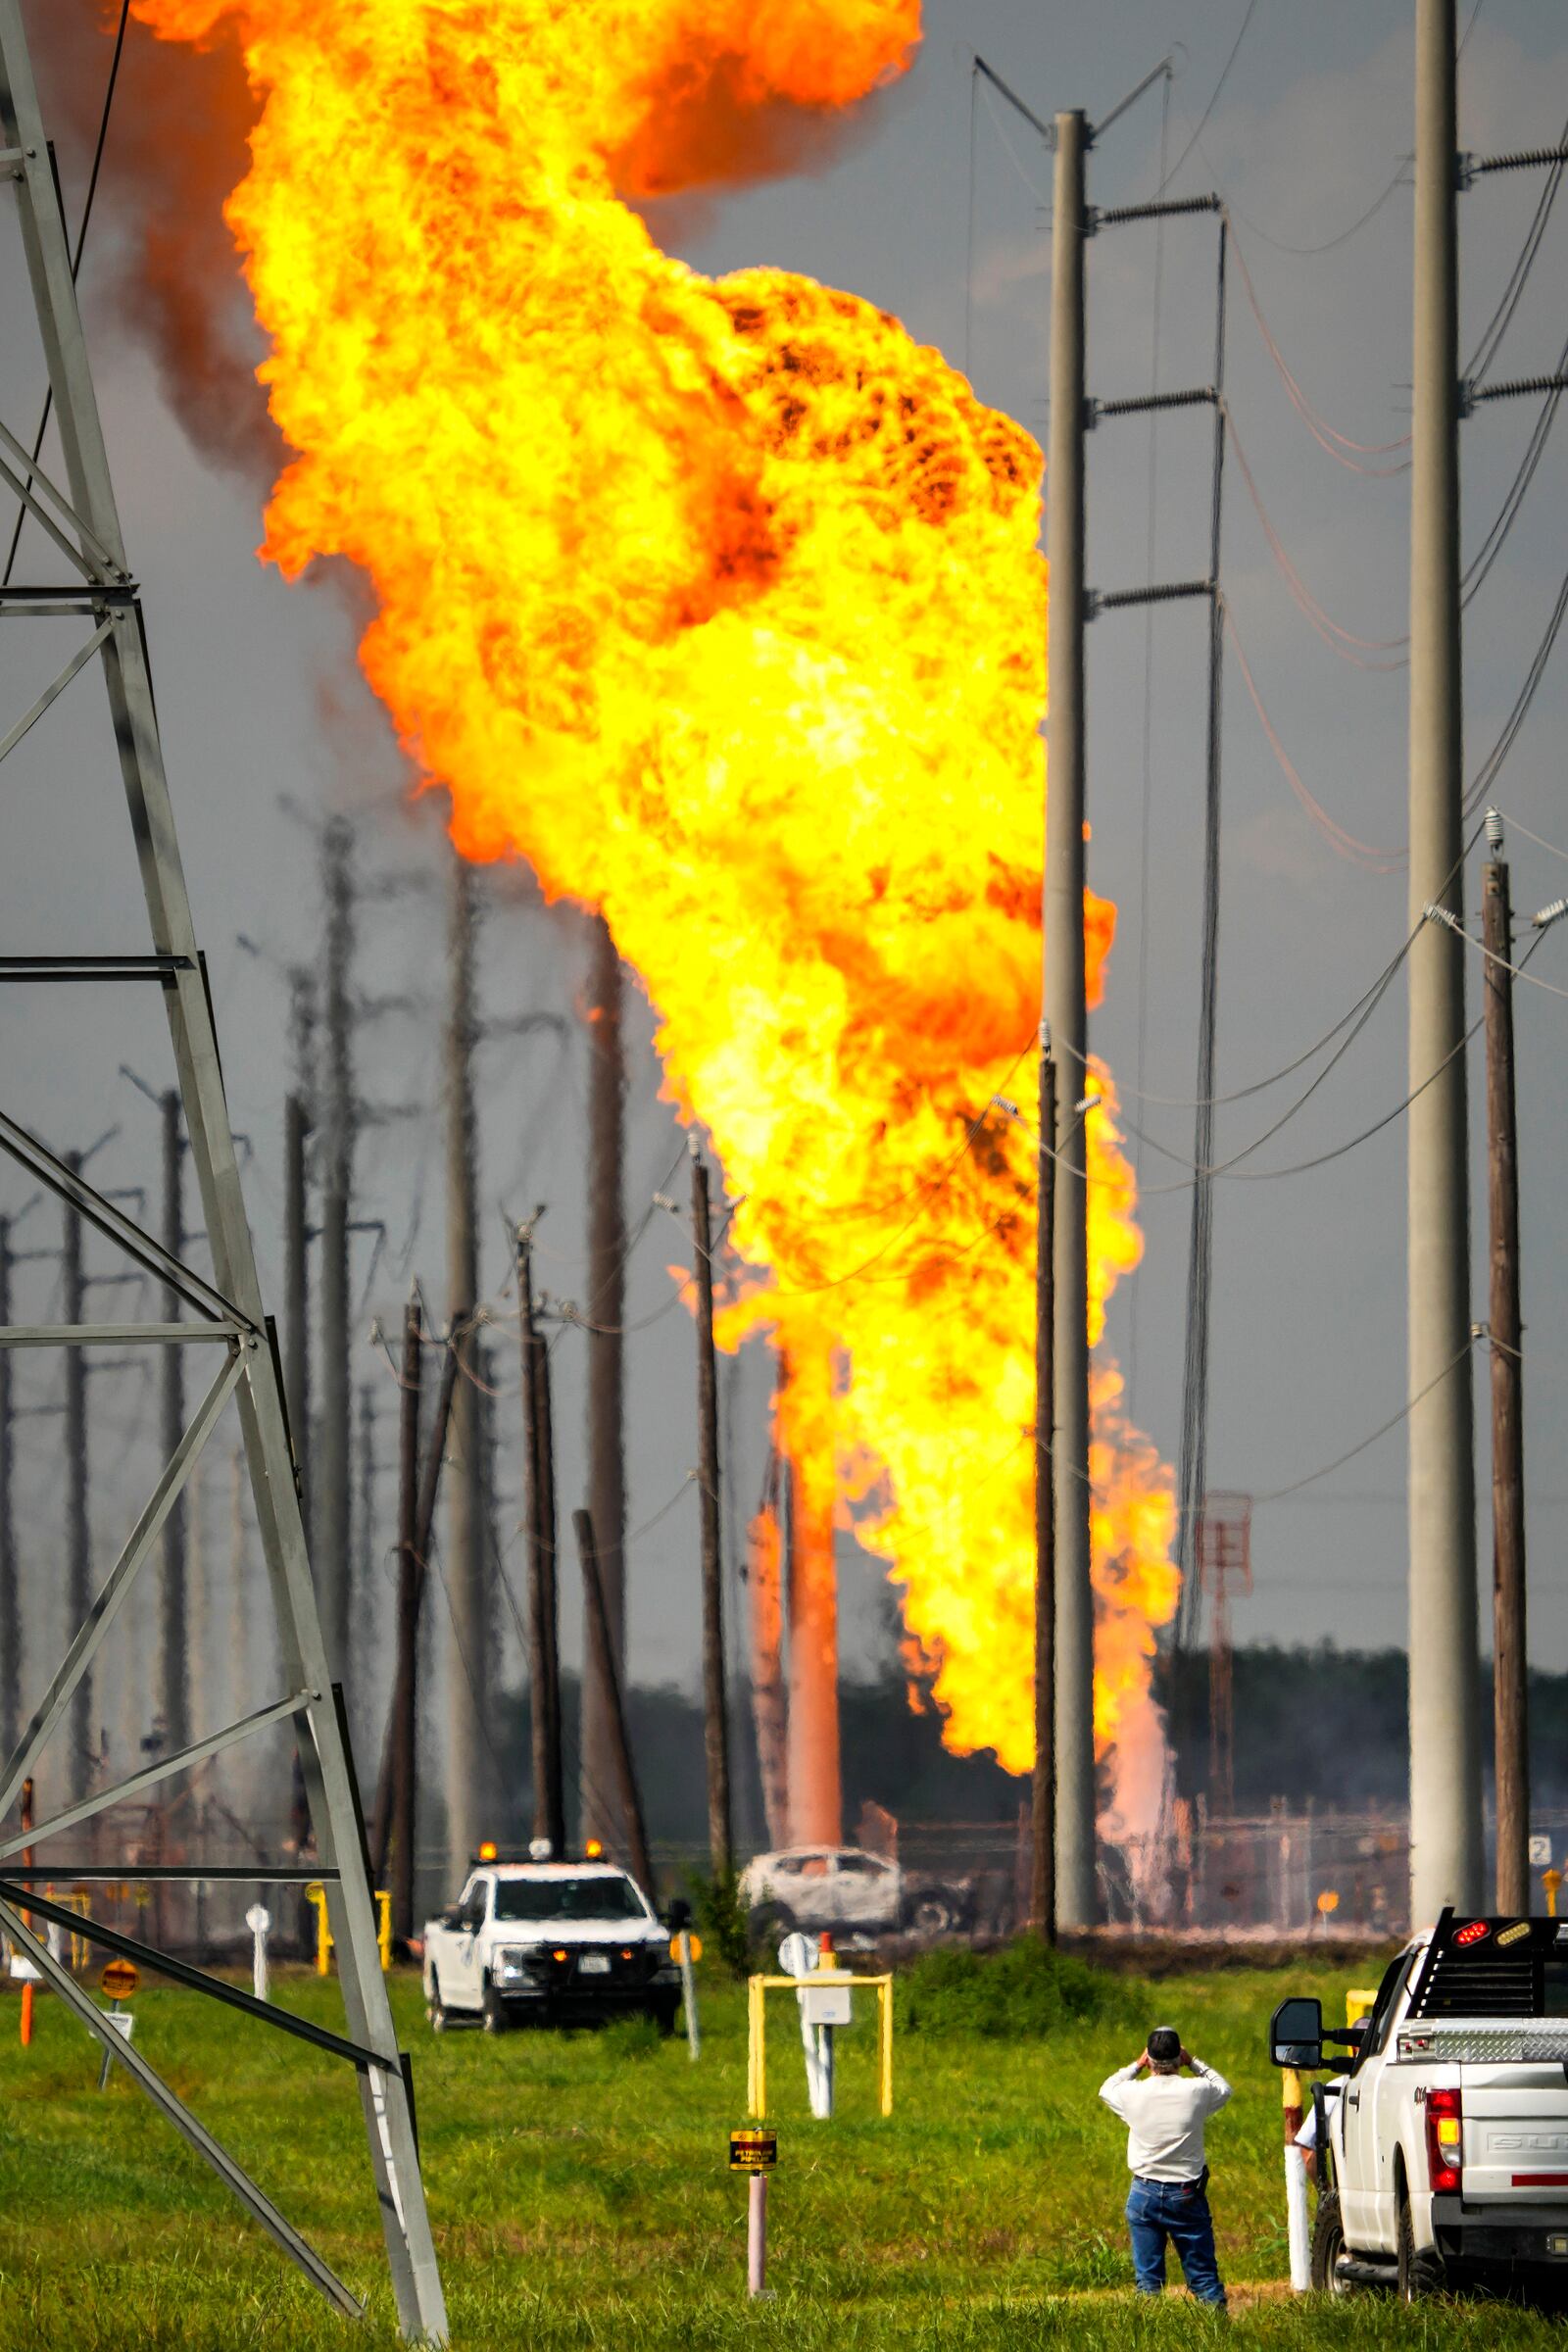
{"x":259,"y":696}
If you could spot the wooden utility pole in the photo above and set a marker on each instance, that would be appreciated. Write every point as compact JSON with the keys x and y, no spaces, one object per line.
{"x":1043,"y":1877}
{"x":716,"y":1706}
{"x":544,"y":1604}
{"x":405,"y":1679}
{"x":1510,"y":1653}
{"x":620,"y":1745}
{"x":605,"y":1320}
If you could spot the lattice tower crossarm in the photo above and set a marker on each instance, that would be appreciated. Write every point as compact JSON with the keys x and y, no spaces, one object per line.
{"x":82,"y":522}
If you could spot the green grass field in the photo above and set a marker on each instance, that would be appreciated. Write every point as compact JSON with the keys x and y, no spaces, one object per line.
{"x":580,"y":2196}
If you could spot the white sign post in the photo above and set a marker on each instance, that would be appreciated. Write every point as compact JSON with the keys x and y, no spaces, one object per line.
{"x":823,"y":2007}
{"x":259,"y":1921}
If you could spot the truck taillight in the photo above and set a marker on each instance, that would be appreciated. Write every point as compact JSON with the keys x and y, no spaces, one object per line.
{"x":1445,"y":2139}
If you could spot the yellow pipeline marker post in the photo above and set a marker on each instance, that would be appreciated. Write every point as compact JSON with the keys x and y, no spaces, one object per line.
{"x":316,"y":1895}
{"x":756,"y":1990}
{"x":1552,"y":1880}
{"x":383,"y":1927}
{"x":1360,"y":2003}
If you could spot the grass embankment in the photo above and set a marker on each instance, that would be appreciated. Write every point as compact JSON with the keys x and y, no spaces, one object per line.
{"x":578,"y":2188}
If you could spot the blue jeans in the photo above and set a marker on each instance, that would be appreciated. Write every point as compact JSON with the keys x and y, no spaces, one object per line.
{"x":1176,"y":2211}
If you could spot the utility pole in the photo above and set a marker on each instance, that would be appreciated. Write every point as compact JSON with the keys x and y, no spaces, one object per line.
{"x":621,"y":1760}
{"x":297,"y":1130}
{"x":173,"y":1649}
{"x":406,"y":1672}
{"x":1065,"y":1015}
{"x":468,"y":1792}
{"x":815,"y":1780}
{"x":298,"y":1122}
{"x":1510,"y":1660}
{"x":399,"y":1747}
{"x":715,"y":1704}
{"x":78,"y":1555}
{"x":10,"y":1572}
{"x":544,"y":1605}
{"x":1446,"y":1845}
{"x":1042,"y":1881}
{"x":606,"y":1318}
{"x":333,"y":1515}
{"x":765,"y":1561}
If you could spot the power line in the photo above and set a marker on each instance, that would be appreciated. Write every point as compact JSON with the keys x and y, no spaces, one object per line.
{"x":1491,"y":546}
{"x":1502,"y":319}
{"x":1338,"y":639}
{"x":1337,"y":445}
{"x":1329,"y":244}
{"x":1490,"y":767}
{"x":1214,"y":97}
{"x":1376,"y":860}
{"x":1406,"y":1410}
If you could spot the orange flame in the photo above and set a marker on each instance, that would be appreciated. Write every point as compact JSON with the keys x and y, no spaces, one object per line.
{"x":721,"y":603}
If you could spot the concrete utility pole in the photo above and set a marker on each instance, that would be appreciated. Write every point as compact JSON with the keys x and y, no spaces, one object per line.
{"x":404,"y":1692}
{"x":1446,"y":1843}
{"x":173,"y":1644}
{"x":544,"y":1605}
{"x":1042,"y":1793}
{"x":1065,"y":1013}
{"x":397,"y":1792}
{"x":10,"y":1572}
{"x":1510,"y":1658}
{"x":765,"y":1561}
{"x":298,"y":1122}
{"x":815,"y":1783}
{"x":715,"y":1703}
{"x":333,"y":1513}
{"x":468,"y":1791}
{"x":79,"y":1553}
{"x":606,"y":1318}
{"x":620,"y":1758}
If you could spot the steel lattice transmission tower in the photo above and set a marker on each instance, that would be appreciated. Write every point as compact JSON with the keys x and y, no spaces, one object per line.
{"x":92,"y":579}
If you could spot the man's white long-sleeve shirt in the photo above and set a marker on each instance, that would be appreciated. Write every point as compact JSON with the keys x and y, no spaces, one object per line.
{"x":1164,"y":2118}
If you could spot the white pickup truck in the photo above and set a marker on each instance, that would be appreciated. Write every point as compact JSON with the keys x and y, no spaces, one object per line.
{"x":1448,"y":2144}
{"x":559,"y":1942}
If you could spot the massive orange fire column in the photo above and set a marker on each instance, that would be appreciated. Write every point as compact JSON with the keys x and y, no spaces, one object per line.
{"x":721,"y":603}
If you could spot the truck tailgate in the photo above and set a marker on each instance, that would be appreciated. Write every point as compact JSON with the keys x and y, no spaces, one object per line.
{"x":1515,"y":2132}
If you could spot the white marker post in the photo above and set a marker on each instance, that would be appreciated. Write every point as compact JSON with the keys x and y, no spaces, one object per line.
{"x":259,"y":1921}
{"x":756,"y":2234}
{"x":754,"y":2151}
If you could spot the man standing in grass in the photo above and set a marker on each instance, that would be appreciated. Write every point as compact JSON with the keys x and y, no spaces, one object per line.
{"x":1169,"y":2196}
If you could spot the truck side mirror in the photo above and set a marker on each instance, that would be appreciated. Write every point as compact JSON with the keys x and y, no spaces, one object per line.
{"x":472,"y":1918}
{"x":1295,"y":2034}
